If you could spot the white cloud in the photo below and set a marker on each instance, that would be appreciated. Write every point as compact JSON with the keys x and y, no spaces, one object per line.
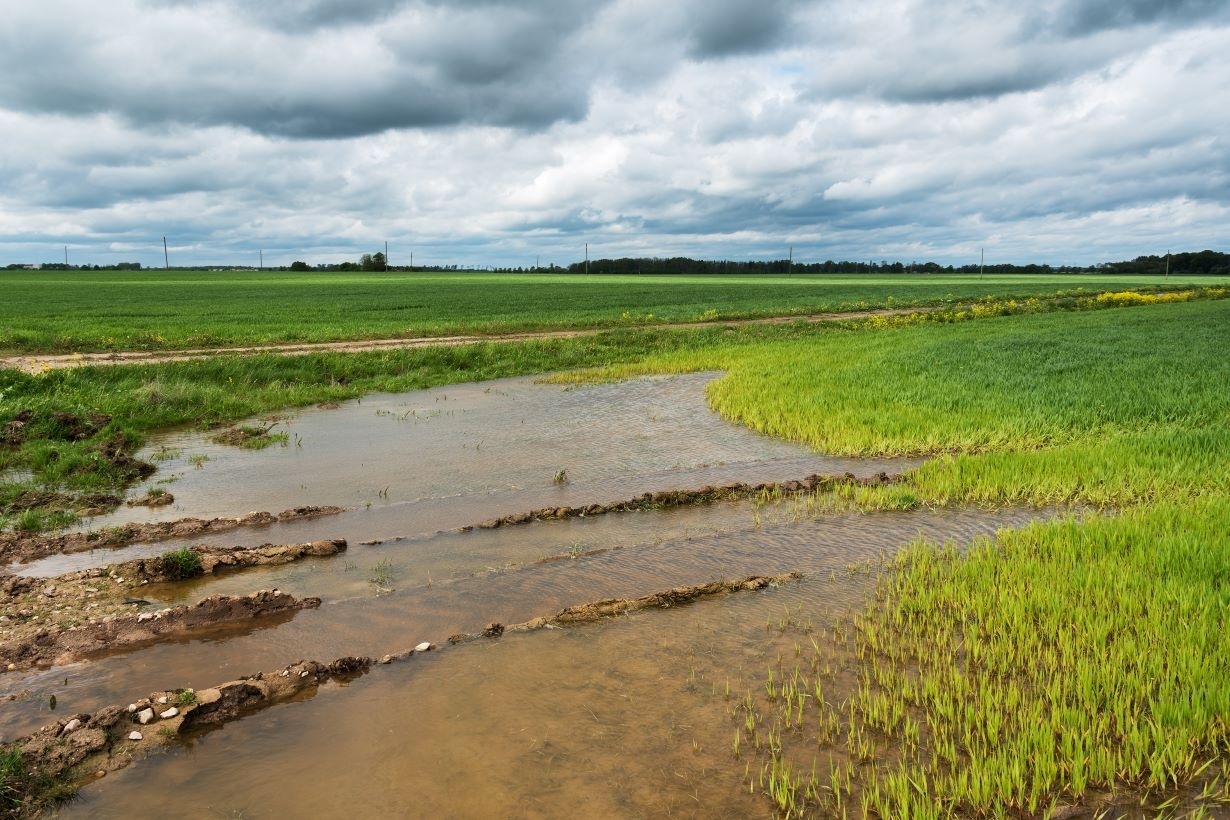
{"x":484,"y":131}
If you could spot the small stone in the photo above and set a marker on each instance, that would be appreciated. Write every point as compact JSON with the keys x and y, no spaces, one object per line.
{"x":132,"y":707}
{"x":303,"y":674}
{"x":12,"y":666}
{"x":425,"y":646}
{"x":162,"y":700}
{"x":387,"y":659}
{"x":72,"y":726}
{"x":134,"y":735}
{"x":145,"y":716}
{"x":168,"y":714}
{"x":50,"y":592}
{"x":100,"y":773}
{"x":145,"y":616}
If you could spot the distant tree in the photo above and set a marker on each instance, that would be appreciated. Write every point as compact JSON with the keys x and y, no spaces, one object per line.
{"x":297,"y":265}
{"x":372,"y":261}
{"x":379,"y":262}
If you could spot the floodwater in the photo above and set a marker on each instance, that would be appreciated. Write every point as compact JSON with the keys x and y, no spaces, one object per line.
{"x":615,"y":719}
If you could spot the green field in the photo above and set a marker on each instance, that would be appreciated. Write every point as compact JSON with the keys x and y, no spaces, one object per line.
{"x":80,"y":311}
{"x":1079,"y":656}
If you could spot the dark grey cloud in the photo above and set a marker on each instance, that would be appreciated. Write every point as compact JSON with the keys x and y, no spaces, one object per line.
{"x":721,"y":28}
{"x":483,"y":132}
{"x":1082,"y":17}
{"x":323,"y":69}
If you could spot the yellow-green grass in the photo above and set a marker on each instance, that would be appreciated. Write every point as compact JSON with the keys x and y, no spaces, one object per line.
{"x":1061,"y":657}
{"x":1105,"y":407}
{"x":59,"y":311}
{"x":1082,"y":654}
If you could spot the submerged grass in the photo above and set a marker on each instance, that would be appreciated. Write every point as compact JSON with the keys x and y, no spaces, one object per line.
{"x":1075,"y":657}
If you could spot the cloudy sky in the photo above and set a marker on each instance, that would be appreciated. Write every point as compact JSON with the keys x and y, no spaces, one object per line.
{"x":477,"y":132}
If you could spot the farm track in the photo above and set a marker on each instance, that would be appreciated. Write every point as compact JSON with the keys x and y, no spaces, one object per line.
{"x":35,"y":363}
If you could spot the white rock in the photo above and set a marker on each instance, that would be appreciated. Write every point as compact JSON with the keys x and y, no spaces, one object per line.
{"x":145,"y":616}
{"x":303,"y":674}
{"x":72,"y":726}
{"x":132,"y":707}
{"x":387,"y":659}
{"x":134,"y":735}
{"x":168,"y":714}
{"x":423,"y":647}
{"x":145,"y":716}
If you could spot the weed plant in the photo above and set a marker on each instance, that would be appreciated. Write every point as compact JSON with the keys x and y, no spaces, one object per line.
{"x":182,"y":564}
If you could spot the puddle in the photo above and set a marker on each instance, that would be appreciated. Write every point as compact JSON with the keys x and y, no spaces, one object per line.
{"x":607,"y":719}
{"x":478,"y":592}
{"x":461,"y":440}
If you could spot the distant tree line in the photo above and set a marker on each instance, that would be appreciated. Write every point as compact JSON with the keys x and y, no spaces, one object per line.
{"x":1200,"y":262}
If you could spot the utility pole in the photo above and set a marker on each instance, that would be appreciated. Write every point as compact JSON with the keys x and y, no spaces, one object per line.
{"x":1167,"y":262}
{"x":386,"y":255}
{"x":262,"y":259}
{"x":66,"y":255}
{"x":166,"y":256}
{"x":587,"y":259}
{"x":982,"y":265}
{"x":790,"y":262}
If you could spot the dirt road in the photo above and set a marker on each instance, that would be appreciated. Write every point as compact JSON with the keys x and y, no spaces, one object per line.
{"x":41,"y":363}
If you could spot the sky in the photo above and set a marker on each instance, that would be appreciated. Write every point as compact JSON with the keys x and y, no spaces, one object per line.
{"x":483,"y":133}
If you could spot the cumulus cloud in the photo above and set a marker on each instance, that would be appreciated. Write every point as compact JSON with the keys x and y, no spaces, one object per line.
{"x":484,"y":132}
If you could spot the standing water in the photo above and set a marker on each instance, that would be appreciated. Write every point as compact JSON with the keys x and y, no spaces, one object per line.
{"x":617,"y":718}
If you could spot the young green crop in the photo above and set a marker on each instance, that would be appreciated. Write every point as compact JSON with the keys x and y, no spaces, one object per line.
{"x":64,"y":311}
{"x":1084,"y":653}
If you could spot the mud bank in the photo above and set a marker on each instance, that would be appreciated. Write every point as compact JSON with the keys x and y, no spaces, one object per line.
{"x":18,"y":547}
{"x":679,"y":498}
{"x":84,"y":747}
{"x":33,"y":609}
{"x":585,"y":613}
{"x":50,"y":645}
{"x":81,"y":748}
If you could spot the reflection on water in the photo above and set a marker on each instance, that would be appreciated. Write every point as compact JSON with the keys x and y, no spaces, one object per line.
{"x":611,"y":719}
{"x":461,"y":440}
{"x":615,"y":719}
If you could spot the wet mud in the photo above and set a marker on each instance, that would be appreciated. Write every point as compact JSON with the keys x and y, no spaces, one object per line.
{"x":71,"y":616}
{"x":16,"y":546}
{"x":49,"y":645}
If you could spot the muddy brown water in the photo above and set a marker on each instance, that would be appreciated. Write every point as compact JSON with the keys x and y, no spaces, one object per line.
{"x":604,"y":719}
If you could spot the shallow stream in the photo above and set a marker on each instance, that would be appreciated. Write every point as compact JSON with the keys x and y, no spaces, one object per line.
{"x":606,"y":719}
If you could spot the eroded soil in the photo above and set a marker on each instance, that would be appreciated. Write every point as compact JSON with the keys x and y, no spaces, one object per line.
{"x":16,"y":546}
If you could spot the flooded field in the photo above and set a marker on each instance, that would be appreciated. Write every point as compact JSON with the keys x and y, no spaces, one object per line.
{"x":624,"y":717}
